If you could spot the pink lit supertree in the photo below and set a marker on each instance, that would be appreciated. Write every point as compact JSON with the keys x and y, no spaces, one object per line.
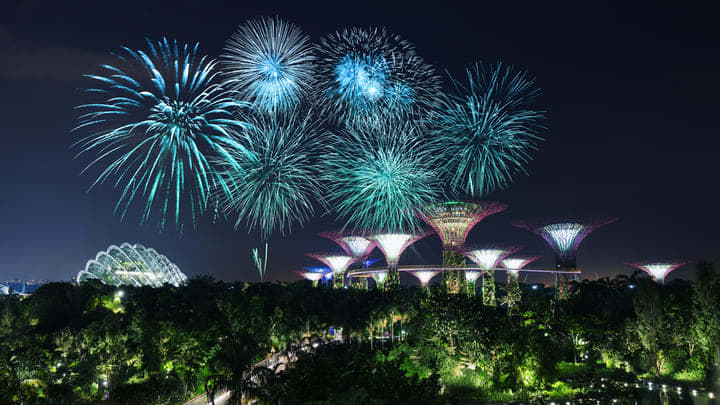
{"x":354,"y":245}
{"x":393,"y":245}
{"x":564,"y":236}
{"x":658,"y":269}
{"x":453,"y":220}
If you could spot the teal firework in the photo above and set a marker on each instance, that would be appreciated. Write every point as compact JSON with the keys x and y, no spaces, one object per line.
{"x":487,"y":128}
{"x":380,"y":175}
{"x":276,"y":188}
{"x":160,"y":122}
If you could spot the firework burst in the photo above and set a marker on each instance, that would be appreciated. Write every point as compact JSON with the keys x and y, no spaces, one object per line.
{"x":379,"y":176}
{"x":276,"y":187}
{"x":370,"y":73}
{"x":487,"y":128}
{"x":270,"y":63}
{"x":161,"y":119}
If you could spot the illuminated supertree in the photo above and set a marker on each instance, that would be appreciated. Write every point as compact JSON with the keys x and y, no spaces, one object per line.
{"x":424,"y":275}
{"x":270,"y":63}
{"x":564,"y":236}
{"x":392,"y":245}
{"x":372,"y":74}
{"x":338,"y":264}
{"x":380,"y":277}
{"x":354,"y":245}
{"x":453,"y":220}
{"x":487,"y":258}
{"x":487,"y":128}
{"x":161,"y":122}
{"x":658,"y":270}
{"x":311,"y":275}
{"x":325,"y":271}
{"x":513,"y":266}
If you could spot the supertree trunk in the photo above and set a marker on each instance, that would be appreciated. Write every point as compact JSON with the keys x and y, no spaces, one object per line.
{"x":454,"y":279}
{"x":488,"y":288}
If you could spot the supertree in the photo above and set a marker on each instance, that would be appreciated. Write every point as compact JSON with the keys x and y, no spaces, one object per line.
{"x":564,"y":236}
{"x":373,"y":74}
{"x":161,"y":122}
{"x":658,"y":270}
{"x":311,"y":275}
{"x":270,"y":63}
{"x":423,"y":275}
{"x":275,"y":187}
{"x":487,"y":258}
{"x":379,"y":176}
{"x":380,"y":277}
{"x":514,"y":265}
{"x":325,"y":271}
{"x":487,"y":127}
{"x":453,"y":220}
{"x":354,"y":245}
{"x":392,"y":245}
{"x":338,"y":263}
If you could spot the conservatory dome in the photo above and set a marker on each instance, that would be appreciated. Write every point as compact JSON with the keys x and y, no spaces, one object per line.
{"x":133,"y":265}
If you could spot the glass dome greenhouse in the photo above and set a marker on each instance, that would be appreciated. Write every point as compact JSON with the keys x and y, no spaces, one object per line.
{"x":133,"y":265}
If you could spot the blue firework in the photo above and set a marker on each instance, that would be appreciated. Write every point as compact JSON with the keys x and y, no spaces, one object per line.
{"x":160,"y":121}
{"x":487,"y":128}
{"x":270,"y":63}
{"x":275,"y":189}
{"x":379,"y":175}
{"x":370,"y":73}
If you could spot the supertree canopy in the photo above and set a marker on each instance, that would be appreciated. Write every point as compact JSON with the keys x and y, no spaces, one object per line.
{"x":516,"y":263}
{"x":453,"y":220}
{"x":487,"y":128}
{"x":380,"y":277}
{"x":393,"y":245}
{"x":487,"y":258}
{"x":160,"y":122}
{"x":270,"y":63}
{"x":311,"y":275}
{"x":353,"y":245}
{"x":564,"y":235}
{"x":658,"y":270}
{"x":424,"y":276}
{"x":338,"y":263}
{"x":275,"y":187}
{"x":379,"y":176}
{"x":133,"y":265}
{"x":370,"y":73}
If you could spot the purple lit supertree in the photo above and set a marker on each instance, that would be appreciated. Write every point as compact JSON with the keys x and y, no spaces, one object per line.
{"x":453,"y":220}
{"x":487,"y":258}
{"x":564,"y":236}
{"x":392,"y":245}
{"x":658,"y":270}
{"x":338,"y":263}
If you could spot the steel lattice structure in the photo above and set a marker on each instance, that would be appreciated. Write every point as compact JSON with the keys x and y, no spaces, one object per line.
{"x":338,"y":263}
{"x":453,"y":220}
{"x":516,"y":263}
{"x":564,"y":235}
{"x":354,"y":245}
{"x":658,"y":270}
{"x":393,"y":245}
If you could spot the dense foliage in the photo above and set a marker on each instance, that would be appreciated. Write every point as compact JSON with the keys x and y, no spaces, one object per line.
{"x":80,"y":344}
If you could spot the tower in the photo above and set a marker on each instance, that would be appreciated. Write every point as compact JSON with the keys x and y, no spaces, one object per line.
{"x":564,"y":236}
{"x":453,"y":220}
{"x":487,"y":258}
{"x":658,"y":270}
{"x":513,"y":266}
{"x":393,"y":245}
{"x":337,"y":263}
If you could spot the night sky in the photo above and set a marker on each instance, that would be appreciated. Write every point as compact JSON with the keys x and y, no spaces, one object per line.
{"x":631,"y":95}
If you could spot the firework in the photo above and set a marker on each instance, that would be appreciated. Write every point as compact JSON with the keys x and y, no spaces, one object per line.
{"x":161,"y":120}
{"x":380,"y":176}
{"x":487,"y":128}
{"x":370,"y":73}
{"x":275,"y":189}
{"x":270,"y":63}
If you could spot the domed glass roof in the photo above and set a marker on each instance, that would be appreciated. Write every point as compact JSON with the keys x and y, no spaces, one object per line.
{"x":133,"y":265}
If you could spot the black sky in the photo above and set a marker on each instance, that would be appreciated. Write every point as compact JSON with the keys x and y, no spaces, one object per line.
{"x":631,"y":92}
